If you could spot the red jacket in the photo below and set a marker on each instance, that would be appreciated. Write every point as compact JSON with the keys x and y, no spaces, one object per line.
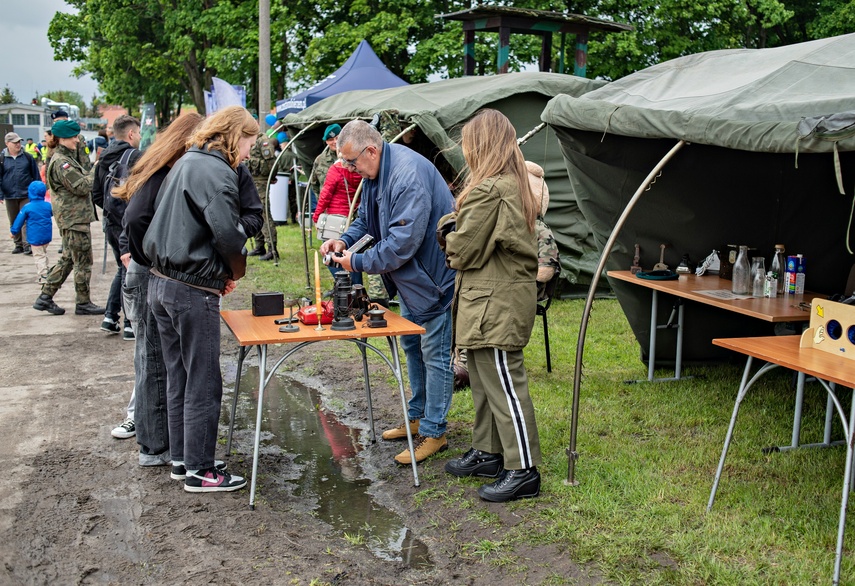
{"x":334,"y":194}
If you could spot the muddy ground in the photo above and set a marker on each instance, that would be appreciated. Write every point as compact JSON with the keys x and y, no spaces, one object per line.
{"x":76,"y":508}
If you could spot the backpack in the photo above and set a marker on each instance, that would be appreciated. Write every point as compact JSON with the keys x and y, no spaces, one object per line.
{"x":261,"y":157}
{"x":117,"y":174}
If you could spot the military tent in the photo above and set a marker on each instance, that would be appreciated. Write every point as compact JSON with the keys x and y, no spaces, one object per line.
{"x":440,"y":108}
{"x":772,"y":151}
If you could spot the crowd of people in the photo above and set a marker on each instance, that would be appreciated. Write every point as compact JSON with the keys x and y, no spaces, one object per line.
{"x":178,"y":218}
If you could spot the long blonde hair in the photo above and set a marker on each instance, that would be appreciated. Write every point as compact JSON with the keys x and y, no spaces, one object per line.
{"x":489,"y":143}
{"x":169,"y":145}
{"x":223,"y":131}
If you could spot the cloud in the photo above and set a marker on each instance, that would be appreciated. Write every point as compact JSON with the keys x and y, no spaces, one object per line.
{"x":28,"y":66}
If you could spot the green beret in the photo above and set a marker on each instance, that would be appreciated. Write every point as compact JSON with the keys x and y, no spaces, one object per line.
{"x":332,"y":131}
{"x":65,"y":129}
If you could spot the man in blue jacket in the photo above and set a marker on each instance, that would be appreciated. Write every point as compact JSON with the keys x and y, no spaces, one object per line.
{"x":403,"y":198}
{"x":17,"y":170}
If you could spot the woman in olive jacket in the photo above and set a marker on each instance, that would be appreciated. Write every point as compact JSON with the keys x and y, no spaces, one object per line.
{"x":494,"y":250}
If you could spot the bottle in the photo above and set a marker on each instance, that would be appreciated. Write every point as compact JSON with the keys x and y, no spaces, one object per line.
{"x":741,"y":272}
{"x":758,"y":272}
{"x":779,"y":266}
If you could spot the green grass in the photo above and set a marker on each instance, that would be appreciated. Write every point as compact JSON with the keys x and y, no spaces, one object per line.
{"x":647,"y":457}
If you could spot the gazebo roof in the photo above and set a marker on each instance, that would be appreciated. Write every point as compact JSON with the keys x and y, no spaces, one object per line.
{"x":527,"y":20}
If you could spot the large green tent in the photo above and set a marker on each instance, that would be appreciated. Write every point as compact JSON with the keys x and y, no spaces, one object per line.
{"x":771,"y":160}
{"x":440,"y":108}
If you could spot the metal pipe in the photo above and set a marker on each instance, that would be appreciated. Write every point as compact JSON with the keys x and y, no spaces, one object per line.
{"x":572,"y":456}
{"x":524,"y":139}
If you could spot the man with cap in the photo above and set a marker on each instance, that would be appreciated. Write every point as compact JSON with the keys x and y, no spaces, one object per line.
{"x":81,"y":149}
{"x":71,"y":186}
{"x":17,"y":170}
{"x":324,"y":160}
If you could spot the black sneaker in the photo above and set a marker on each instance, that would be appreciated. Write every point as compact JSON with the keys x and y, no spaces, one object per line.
{"x":111,"y":326}
{"x":476,"y":463}
{"x":512,"y":485}
{"x":89,"y":309}
{"x":124,"y":430}
{"x":212,"y":480}
{"x":128,"y":334}
{"x":18,"y":250}
{"x":45,"y":303}
{"x":180,"y":473}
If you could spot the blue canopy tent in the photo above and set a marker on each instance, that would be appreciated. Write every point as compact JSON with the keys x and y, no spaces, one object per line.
{"x":363,"y":70}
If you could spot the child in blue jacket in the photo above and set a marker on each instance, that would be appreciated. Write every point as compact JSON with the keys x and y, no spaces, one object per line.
{"x":37,"y":216}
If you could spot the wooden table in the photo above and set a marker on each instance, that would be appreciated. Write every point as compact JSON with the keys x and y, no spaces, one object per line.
{"x":776,"y":309}
{"x":829,"y":369}
{"x":260,"y":332}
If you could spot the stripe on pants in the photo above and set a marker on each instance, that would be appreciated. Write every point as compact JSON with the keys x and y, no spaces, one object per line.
{"x":517,"y":417}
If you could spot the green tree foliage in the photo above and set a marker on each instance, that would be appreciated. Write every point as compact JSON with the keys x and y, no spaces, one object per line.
{"x":7,"y":96}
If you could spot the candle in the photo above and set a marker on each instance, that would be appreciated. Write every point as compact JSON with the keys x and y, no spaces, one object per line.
{"x":318,"y":289}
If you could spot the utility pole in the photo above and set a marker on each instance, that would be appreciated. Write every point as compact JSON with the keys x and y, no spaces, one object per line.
{"x":263,"y":62}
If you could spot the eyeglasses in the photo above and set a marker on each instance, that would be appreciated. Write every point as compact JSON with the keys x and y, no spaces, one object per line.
{"x":352,"y":162}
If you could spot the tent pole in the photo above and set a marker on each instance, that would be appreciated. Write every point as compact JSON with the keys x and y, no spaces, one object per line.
{"x":572,"y":455}
{"x":524,"y":139}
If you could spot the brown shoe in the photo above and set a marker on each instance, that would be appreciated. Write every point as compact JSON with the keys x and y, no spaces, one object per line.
{"x":427,"y":447}
{"x":400,"y":432}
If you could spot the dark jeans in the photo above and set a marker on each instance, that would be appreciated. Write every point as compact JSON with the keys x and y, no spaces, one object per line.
{"x":189,"y":324}
{"x":13,"y":208}
{"x":114,"y":298}
{"x":150,"y":418}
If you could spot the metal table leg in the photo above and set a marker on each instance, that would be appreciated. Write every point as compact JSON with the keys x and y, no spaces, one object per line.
{"x":262,"y":380}
{"x":371,"y":435}
{"x":242,"y":352}
{"x":399,"y":374}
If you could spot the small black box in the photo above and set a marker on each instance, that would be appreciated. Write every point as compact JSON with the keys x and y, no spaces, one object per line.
{"x":268,"y":304}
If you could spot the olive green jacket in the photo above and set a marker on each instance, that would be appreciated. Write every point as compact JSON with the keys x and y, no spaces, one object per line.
{"x":82,"y":153}
{"x":71,"y":190}
{"x":322,"y":165}
{"x":495,"y":255}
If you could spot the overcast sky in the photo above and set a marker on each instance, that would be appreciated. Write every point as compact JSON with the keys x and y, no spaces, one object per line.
{"x":27,"y":66}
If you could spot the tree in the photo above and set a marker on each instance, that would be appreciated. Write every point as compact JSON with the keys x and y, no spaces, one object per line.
{"x":7,"y":96}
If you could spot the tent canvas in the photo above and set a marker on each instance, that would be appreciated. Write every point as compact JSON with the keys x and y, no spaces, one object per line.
{"x":746,"y":178}
{"x":440,"y":108}
{"x":363,"y":70}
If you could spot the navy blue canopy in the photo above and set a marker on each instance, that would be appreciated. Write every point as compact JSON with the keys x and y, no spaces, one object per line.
{"x":362,"y":71}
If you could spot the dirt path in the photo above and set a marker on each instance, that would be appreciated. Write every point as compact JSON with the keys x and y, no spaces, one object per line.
{"x":75,"y":508}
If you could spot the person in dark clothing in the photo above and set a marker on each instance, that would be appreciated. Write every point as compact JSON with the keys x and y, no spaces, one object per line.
{"x":124,"y":149}
{"x":17,"y":170}
{"x":195,"y":243}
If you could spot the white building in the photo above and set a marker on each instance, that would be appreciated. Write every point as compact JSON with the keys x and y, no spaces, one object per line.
{"x":27,"y":120}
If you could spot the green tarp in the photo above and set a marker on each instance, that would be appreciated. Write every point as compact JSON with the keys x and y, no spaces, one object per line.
{"x":440,"y":108}
{"x":740,"y":181}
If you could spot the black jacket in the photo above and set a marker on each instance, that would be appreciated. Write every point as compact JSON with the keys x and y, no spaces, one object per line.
{"x":195,"y":235}
{"x":16,"y":174}
{"x":114,"y":209}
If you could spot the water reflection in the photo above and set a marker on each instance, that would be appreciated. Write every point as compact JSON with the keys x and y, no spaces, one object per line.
{"x":330,"y":475}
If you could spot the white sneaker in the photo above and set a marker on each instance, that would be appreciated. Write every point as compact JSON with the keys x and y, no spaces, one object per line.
{"x":124,"y":430}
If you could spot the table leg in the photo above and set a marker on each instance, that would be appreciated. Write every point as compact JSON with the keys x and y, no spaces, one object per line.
{"x":679,"y":307}
{"x":242,"y":352}
{"x":651,"y":352}
{"x":393,"y":344}
{"x":847,"y":486}
{"x":797,"y":414}
{"x":678,"y":364}
{"x":262,"y":379}
{"x":371,"y":435}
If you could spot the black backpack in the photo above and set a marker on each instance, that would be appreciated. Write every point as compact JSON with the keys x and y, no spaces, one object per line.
{"x":117,"y":174}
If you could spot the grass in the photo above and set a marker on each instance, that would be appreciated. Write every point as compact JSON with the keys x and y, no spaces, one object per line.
{"x":647,"y":457}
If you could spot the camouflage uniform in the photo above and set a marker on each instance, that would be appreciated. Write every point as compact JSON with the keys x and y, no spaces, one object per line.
{"x":322,"y":164}
{"x":547,"y":255}
{"x":81,"y":154}
{"x":262,"y":159}
{"x":71,"y":187}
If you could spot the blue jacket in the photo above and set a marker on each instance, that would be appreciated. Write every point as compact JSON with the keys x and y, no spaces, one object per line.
{"x":17,"y":174}
{"x":400,"y":208}
{"x":37,"y":215}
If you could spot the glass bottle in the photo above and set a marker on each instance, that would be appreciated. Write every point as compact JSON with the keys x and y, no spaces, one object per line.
{"x":779,"y":266}
{"x":741,"y":273}
{"x":758,"y":270}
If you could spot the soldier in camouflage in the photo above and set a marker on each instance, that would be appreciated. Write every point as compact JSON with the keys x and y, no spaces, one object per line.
{"x":325,"y":160}
{"x":81,"y":151}
{"x":71,"y":186}
{"x":262,"y":160}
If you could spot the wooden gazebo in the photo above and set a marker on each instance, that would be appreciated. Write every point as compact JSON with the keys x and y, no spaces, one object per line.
{"x":507,"y":20}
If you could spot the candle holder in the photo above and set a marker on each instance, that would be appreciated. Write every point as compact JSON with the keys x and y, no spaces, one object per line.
{"x":290,"y":328}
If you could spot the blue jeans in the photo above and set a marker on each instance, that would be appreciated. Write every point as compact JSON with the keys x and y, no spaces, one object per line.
{"x":115,"y":297}
{"x":149,"y":406}
{"x":430,"y":373}
{"x":189,"y":324}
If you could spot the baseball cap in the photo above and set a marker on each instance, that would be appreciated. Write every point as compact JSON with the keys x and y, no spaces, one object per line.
{"x":13,"y":137}
{"x":58,"y":114}
{"x":332,"y":131}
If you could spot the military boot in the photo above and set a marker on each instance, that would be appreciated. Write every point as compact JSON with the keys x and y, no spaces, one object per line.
{"x":45,"y":302}
{"x":257,"y":251}
{"x":271,"y":255}
{"x":427,"y":447}
{"x":89,"y":308}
